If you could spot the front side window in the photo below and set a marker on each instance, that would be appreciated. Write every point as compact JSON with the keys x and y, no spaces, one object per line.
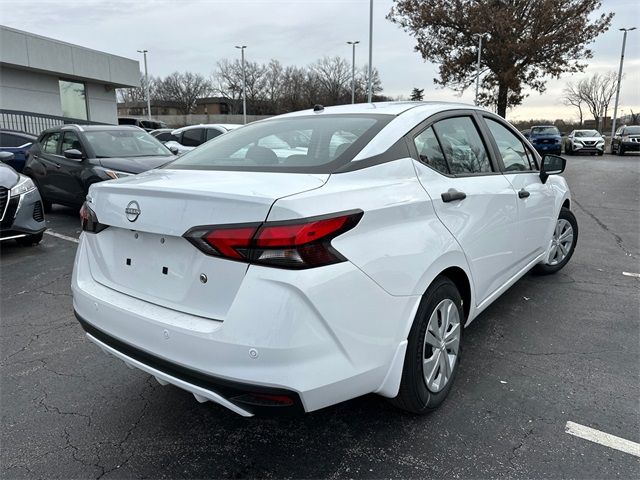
{"x":50,"y":143}
{"x":125,"y":143}
{"x":462,"y":146}
{"x":513,"y":152}
{"x":73,"y":99}
{"x":430,"y":152}
{"x":318,"y":144}
{"x":192,"y":138}
{"x":70,"y":141}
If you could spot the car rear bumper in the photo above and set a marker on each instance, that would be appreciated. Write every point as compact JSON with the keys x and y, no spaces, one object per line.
{"x":318,"y":336}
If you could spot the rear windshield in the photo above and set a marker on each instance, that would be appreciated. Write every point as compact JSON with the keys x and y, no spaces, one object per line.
{"x":315,"y":144}
{"x":125,"y":143}
{"x":587,"y":133}
{"x":545,"y":131}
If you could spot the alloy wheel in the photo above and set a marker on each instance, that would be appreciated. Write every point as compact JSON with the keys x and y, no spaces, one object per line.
{"x":561,"y":242}
{"x":441,"y":345}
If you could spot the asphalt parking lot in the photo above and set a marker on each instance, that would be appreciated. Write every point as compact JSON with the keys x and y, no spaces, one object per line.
{"x":552,"y":350}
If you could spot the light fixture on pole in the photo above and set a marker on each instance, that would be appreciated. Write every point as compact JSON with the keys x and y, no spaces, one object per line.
{"x":370,"y":80}
{"x":615,"y":108}
{"x":480,"y":37}
{"x":353,"y":70}
{"x":146,"y":81}
{"x":244,"y":87}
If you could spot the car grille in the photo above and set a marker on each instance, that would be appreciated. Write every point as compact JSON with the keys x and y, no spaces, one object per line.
{"x":38,"y":215}
{"x":4,"y":196}
{"x":589,"y":143}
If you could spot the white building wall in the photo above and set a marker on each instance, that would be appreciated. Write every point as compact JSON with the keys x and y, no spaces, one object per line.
{"x":101,"y":100}
{"x":29,"y":91}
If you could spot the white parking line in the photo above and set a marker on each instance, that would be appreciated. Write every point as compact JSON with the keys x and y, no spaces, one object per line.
{"x":629,"y":274}
{"x":606,"y":439}
{"x":59,"y":235}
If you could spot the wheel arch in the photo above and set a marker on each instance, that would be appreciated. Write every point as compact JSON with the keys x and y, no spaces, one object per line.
{"x":460,"y":279}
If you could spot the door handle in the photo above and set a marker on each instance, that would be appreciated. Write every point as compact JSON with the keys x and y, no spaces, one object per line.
{"x":523,"y":193}
{"x":452,"y":194}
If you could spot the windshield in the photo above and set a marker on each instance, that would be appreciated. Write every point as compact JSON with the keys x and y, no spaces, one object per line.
{"x":125,"y":143}
{"x":545,"y":131}
{"x":632,"y":130}
{"x":318,"y":144}
{"x":587,"y":133}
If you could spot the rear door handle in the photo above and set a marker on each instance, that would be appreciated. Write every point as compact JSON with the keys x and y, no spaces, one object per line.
{"x":453,"y":195}
{"x":523,"y":193}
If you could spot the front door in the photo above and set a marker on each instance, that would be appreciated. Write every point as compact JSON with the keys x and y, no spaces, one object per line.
{"x":472,"y":199}
{"x":536,"y":200}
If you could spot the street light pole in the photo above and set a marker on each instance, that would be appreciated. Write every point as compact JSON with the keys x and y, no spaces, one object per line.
{"x":615,"y":108}
{"x":370,"y":83}
{"x":353,"y":71}
{"x":480,"y":37}
{"x":146,"y":81}
{"x":244,"y":87}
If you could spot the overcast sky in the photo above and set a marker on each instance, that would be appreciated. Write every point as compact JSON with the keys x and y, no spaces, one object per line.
{"x":194,"y":34}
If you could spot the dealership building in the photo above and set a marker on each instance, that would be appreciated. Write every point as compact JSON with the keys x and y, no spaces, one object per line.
{"x":46,"y":82}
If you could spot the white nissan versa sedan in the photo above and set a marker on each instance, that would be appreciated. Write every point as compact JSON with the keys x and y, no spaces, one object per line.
{"x":258,"y":280}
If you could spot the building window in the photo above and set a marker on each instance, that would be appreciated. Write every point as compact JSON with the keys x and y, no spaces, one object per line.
{"x":73,"y":99}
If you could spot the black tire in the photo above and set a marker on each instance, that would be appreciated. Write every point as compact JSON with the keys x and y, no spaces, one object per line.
{"x":601,"y":153}
{"x":620,"y":150}
{"x":30,"y":240}
{"x":568,"y":150}
{"x":546,"y":269}
{"x":47,"y":206}
{"x":414,"y":396}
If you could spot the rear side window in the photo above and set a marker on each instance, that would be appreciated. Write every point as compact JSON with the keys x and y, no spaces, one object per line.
{"x":192,"y":138}
{"x":430,"y":152}
{"x":13,"y":141}
{"x":515,"y":156}
{"x":212,"y":133}
{"x":314,"y":144}
{"x":50,"y":142}
{"x":462,"y":146}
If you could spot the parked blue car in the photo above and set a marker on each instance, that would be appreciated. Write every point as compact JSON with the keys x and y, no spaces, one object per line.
{"x":546,"y":139}
{"x":17,"y":143}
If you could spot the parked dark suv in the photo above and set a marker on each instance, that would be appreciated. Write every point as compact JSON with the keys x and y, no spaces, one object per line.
{"x":66,"y":160}
{"x":626,"y":139}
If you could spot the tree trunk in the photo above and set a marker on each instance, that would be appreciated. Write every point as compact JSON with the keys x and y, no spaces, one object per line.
{"x":503,"y":91}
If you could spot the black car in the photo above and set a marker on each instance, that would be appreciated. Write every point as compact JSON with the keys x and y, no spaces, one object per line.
{"x":21,"y":215}
{"x":65,"y":161}
{"x":17,"y":143}
{"x":626,"y":139}
{"x":147,"y":125}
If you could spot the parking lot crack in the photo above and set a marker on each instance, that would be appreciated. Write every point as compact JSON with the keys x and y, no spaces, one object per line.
{"x":602,"y":225}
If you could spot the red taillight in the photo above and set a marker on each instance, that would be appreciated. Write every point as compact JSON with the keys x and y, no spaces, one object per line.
{"x":89,"y":220}
{"x":295,"y":244}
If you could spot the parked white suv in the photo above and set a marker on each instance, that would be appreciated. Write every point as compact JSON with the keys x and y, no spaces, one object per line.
{"x":187,"y":138}
{"x":255,"y":280}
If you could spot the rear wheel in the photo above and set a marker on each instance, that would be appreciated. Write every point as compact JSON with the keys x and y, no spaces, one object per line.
{"x":565,"y":237}
{"x":433,"y":352}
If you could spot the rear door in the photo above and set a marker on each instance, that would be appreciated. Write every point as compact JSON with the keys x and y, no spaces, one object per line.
{"x":470,"y":196}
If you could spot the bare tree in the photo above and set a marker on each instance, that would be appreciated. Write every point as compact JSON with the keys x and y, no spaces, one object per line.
{"x":596,"y":92}
{"x":138,"y":94}
{"x":184,"y":89}
{"x":572,"y":98}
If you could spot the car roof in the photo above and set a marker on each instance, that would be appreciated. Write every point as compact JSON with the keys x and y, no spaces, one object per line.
{"x":223,"y":126}
{"x":384,"y":108}
{"x":91,"y":128}
{"x":18,"y":132}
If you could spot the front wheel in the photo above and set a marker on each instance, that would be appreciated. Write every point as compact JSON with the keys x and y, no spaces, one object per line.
{"x":433,"y":350}
{"x":563,"y":244}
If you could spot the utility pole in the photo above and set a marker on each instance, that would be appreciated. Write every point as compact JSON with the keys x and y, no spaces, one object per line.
{"x":615,"y":108}
{"x":370,"y":83}
{"x":244,"y":87}
{"x":353,"y":71}
{"x":480,"y":37}
{"x":146,"y":81}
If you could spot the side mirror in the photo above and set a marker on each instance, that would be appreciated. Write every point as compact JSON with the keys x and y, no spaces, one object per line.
{"x":551,"y":165}
{"x":73,"y":154}
{"x":174,"y":150}
{"x":6,"y":156}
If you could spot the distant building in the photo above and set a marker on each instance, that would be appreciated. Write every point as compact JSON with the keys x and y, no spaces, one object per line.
{"x":45,"y":82}
{"x":204,"y":106}
{"x":212,"y":106}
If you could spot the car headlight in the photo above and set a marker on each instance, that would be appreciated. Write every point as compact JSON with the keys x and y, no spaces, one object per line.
{"x":625,"y":138}
{"x":115,"y":174}
{"x":24,"y":185}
